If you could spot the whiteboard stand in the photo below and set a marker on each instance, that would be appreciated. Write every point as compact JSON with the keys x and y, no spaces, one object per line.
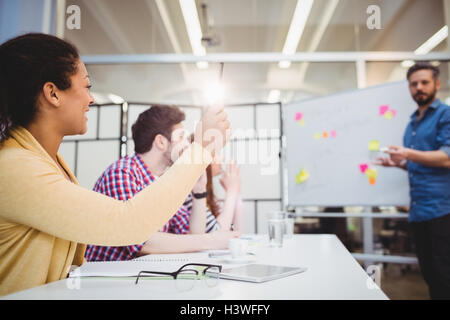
{"x":367,"y":229}
{"x":367,"y":235}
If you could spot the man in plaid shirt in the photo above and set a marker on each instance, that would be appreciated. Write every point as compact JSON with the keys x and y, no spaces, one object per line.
{"x":159,"y":139}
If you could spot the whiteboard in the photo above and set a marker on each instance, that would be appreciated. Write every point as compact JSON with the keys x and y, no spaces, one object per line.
{"x":349,"y":121}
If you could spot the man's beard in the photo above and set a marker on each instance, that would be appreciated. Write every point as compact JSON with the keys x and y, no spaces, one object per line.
{"x":168,"y":158}
{"x":426,"y":99}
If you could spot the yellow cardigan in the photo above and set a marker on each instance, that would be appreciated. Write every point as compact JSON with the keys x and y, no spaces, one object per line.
{"x":45,"y":220}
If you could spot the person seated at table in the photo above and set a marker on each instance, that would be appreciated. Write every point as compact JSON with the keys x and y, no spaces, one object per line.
{"x":45,"y":216}
{"x":159,"y":137}
{"x":226,"y":217}
{"x":229,"y":215}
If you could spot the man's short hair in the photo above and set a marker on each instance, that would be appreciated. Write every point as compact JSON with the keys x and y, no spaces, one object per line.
{"x":422,"y":65}
{"x":158,"y":119}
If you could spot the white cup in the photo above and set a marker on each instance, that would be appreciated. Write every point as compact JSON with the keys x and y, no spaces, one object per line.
{"x":238,"y":247}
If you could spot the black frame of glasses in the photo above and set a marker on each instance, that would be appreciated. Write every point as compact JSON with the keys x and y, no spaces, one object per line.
{"x":175,"y":273}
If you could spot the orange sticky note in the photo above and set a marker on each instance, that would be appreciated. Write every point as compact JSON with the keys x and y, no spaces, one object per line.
{"x":325,"y":134}
{"x":372,"y":181}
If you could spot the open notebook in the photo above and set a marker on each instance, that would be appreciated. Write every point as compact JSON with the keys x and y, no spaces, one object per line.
{"x":131,"y":268}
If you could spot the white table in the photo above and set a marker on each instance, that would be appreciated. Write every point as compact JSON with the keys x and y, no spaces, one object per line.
{"x":332,"y":274}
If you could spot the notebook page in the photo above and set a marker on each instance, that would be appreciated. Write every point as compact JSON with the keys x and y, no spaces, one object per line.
{"x":124,"y":268}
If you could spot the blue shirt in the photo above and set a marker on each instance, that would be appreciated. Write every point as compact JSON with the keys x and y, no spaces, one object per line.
{"x":429,"y":186}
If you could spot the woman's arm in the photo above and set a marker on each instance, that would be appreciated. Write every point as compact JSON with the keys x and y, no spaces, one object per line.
{"x":231,"y":183}
{"x":225,"y":218}
{"x":237,"y":220}
{"x":162,"y":242}
{"x":34,"y":193}
{"x":197,"y":220}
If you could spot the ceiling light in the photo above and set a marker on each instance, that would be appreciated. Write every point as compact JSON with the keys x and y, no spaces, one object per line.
{"x":284,"y":64}
{"x":432,"y":43}
{"x":115,"y":98}
{"x":296,"y":28}
{"x":274,"y":96}
{"x":407,"y":63}
{"x":193,"y":28}
{"x":428,"y":45}
{"x":202,"y":64}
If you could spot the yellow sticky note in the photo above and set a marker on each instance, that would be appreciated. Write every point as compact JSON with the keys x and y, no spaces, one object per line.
{"x":316,"y":136}
{"x":301,"y":123}
{"x":388,"y":115}
{"x":371,"y":173}
{"x":374,"y":145}
{"x":302,"y":176}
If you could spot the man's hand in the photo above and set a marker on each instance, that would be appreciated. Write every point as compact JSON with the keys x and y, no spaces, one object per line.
{"x":213,"y":132}
{"x":385,"y":162}
{"x":398,"y":154}
{"x":397,"y":158}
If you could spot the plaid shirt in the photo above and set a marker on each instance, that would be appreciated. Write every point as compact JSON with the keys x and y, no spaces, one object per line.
{"x":122,"y":180}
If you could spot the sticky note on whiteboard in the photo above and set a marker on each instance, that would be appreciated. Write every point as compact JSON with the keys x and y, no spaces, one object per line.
{"x":363,"y":167}
{"x":374,"y":145}
{"x":298,"y":116}
{"x":383,"y":109}
{"x":302,"y":176}
{"x":371,"y":173}
{"x":388,"y":115}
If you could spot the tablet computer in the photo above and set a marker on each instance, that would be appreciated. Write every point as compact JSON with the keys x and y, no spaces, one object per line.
{"x":259,"y":272}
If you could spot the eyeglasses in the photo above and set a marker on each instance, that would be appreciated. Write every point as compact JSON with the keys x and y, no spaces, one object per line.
{"x":187,"y":276}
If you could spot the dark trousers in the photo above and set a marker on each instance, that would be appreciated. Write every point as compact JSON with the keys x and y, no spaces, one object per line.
{"x":432,"y":241}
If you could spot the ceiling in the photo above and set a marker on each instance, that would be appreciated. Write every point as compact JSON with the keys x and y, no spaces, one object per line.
{"x":157,"y":26}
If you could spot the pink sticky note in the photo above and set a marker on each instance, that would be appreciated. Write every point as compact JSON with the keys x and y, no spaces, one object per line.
{"x":333,"y":133}
{"x":363,"y":167}
{"x":383,"y":109}
{"x":298,"y":116}
{"x":394,"y":112}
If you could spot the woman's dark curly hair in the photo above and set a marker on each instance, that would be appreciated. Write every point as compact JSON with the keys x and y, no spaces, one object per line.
{"x":27,"y":62}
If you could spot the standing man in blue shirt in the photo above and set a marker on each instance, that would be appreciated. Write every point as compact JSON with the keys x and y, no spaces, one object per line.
{"x":426,"y":157}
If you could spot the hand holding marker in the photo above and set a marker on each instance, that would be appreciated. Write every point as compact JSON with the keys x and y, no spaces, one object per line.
{"x":396,"y":159}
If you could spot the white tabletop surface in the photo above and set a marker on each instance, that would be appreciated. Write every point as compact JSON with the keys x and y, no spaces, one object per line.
{"x":332,"y":274}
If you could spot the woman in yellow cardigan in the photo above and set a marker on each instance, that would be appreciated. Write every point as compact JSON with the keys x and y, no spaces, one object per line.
{"x":46,"y":218}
